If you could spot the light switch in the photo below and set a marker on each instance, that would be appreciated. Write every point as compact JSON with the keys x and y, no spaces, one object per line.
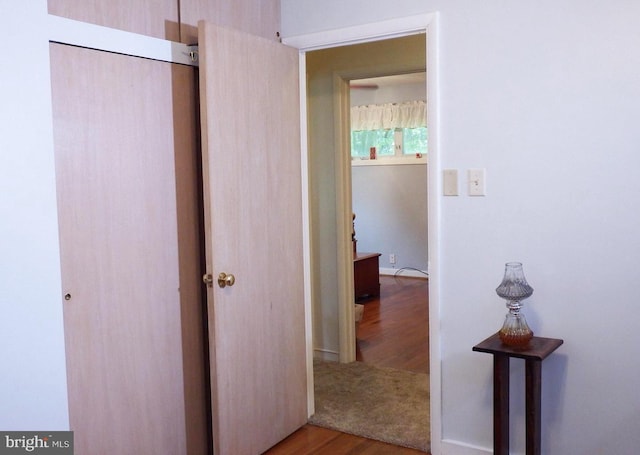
{"x":476,"y":179}
{"x":450,"y":182}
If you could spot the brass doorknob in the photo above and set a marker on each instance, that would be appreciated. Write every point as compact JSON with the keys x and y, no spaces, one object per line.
{"x":207,"y":279}
{"x":226,"y":280}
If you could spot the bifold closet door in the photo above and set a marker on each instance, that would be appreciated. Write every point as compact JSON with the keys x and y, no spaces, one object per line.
{"x":253,"y":229}
{"x":126,"y":169}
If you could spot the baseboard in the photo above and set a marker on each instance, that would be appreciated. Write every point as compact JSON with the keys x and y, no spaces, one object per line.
{"x":404,"y":272}
{"x":326,"y":355}
{"x":449,"y":447}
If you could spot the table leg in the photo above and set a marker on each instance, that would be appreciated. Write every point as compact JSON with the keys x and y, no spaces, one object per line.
{"x":500,"y":405}
{"x":533,"y":382}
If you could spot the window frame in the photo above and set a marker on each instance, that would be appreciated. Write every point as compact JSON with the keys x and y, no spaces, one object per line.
{"x":398,"y":155}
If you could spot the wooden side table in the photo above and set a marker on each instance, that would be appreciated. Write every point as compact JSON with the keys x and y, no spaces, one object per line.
{"x":366,"y":275}
{"x":537,"y":350}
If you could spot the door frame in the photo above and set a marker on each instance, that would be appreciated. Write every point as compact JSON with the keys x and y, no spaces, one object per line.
{"x":395,"y":28}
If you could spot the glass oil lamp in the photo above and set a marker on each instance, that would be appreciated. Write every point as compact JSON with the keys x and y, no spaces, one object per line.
{"x":514,"y":288}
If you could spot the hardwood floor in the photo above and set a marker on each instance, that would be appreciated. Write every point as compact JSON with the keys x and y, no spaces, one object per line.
{"x":312,"y":440}
{"x":394,"y":332}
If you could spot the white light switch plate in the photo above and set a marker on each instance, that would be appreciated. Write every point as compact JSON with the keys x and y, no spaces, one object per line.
{"x":476,"y":179}
{"x":450,"y":182}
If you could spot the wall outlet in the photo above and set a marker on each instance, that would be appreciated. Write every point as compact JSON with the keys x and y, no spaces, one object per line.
{"x":392,"y":258}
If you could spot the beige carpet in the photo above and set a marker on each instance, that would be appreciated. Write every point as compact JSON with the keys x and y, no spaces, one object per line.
{"x":378,"y":403}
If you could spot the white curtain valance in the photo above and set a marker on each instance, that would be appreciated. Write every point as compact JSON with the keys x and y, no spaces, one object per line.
{"x":412,"y":114}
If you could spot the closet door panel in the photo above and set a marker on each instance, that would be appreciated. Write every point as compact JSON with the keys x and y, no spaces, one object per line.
{"x":129,"y":264}
{"x":261,"y":18}
{"x":157,"y":18}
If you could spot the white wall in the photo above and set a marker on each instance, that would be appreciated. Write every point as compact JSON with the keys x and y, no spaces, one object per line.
{"x":389,"y":94}
{"x":546,"y":97}
{"x":33,"y":388}
{"x":390,"y":203}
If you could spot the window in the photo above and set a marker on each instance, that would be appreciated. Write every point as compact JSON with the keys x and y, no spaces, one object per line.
{"x":414,"y":140}
{"x":393,"y":129}
{"x":389,"y":142}
{"x":382,"y":140}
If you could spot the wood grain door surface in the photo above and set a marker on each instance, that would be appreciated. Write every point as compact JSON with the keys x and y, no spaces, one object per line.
{"x":124,"y":140}
{"x":252,"y":178}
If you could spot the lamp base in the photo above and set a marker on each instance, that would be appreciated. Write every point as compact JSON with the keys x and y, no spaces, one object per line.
{"x":515,"y":331}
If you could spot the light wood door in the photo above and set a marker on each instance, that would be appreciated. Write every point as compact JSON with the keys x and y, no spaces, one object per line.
{"x":253,"y":228}
{"x":260,"y":18}
{"x":126,"y":162}
{"x":158,"y":18}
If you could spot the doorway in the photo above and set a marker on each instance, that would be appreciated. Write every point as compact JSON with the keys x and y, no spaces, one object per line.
{"x":364,"y":33}
{"x":330,"y":212}
{"x":389,"y":150}
{"x":329,"y":72}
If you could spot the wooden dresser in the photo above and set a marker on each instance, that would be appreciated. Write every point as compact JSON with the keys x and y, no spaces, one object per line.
{"x":366,"y":275}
